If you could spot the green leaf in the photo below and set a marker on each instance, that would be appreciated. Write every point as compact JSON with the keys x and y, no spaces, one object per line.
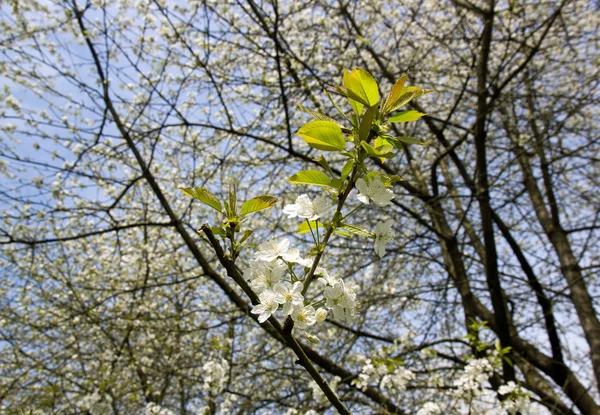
{"x":258,"y":203}
{"x":313,"y":177}
{"x":217,"y":230}
{"x":400,"y":95}
{"x":336,"y":106}
{"x":318,"y":116}
{"x":386,"y":179}
{"x":356,"y":101}
{"x":357,"y":230}
{"x":397,"y":141}
{"x":406,"y":116}
{"x":347,"y":168}
{"x":323,"y":135}
{"x":394,"y":94}
{"x":365,"y":123}
{"x":232,"y":207}
{"x":362,"y":85}
{"x":373,"y":152}
{"x":203,"y":195}
{"x":323,"y":162}
{"x":336,"y":183}
{"x":304,"y":227}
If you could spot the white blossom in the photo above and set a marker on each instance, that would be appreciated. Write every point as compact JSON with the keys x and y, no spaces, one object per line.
{"x":292,"y":296}
{"x":398,"y":379}
{"x":271,"y":250}
{"x":383,"y":236}
{"x":264,"y":275}
{"x":430,"y":408}
{"x":342,"y":300}
{"x":154,"y":409}
{"x":374,"y":190}
{"x":473,"y":378}
{"x":269,"y":302}
{"x":215,"y":373}
{"x":320,"y":315}
{"x":304,"y":208}
{"x":304,"y":316}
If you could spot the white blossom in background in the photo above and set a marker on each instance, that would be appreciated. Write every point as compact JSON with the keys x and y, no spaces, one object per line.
{"x":374,"y":190}
{"x":292,"y":296}
{"x":369,"y":373}
{"x":307,"y":209}
{"x":516,"y":401}
{"x":269,"y":303}
{"x":383,"y":236}
{"x":473,"y":378}
{"x":155,"y":409}
{"x":97,"y":404}
{"x":430,"y":408}
{"x":215,"y":375}
{"x":271,"y":250}
{"x":398,"y":380}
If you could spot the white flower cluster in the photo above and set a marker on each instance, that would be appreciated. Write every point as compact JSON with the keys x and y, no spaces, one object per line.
{"x":474,"y":377}
{"x":373,"y":189}
{"x":398,"y":380}
{"x":430,"y":408}
{"x":155,"y":409}
{"x":395,"y":381}
{"x":516,"y":400}
{"x":304,"y":208}
{"x":266,"y":276}
{"x":215,"y":375}
{"x":97,"y":404}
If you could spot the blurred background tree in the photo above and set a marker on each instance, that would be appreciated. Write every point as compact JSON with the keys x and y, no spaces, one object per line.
{"x":112,"y":302}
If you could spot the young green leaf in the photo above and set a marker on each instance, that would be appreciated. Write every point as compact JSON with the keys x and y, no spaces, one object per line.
{"x":347,"y":168}
{"x":362,"y":85}
{"x":258,"y":203}
{"x":397,"y":141}
{"x":394,"y":94}
{"x":323,"y":135}
{"x":365,"y":123}
{"x":381,"y":152}
{"x":406,"y":116}
{"x":400,"y":96}
{"x":313,"y":177}
{"x":386,"y":179}
{"x":357,"y":230}
{"x":203,"y":195}
{"x":323,"y":162}
{"x":356,"y":101}
{"x":317,"y":115}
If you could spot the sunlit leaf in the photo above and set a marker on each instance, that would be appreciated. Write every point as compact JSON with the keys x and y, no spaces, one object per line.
{"x":365,"y":124}
{"x":357,"y":230}
{"x":362,"y":85}
{"x":318,"y":116}
{"x":258,"y":203}
{"x":323,"y":135}
{"x":373,"y":152}
{"x":313,"y":177}
{"x":406,"y":116}
{"x":203,"y":195}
